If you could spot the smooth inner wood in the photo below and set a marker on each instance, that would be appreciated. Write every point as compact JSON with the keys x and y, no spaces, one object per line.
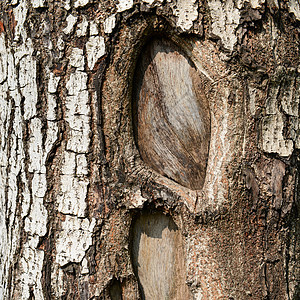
{"x":171,"y":114}
{"x":158,"y":258}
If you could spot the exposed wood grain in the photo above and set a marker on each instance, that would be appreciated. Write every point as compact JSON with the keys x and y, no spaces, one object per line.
{"x":171,"y":115}
{"x":158,"y":258}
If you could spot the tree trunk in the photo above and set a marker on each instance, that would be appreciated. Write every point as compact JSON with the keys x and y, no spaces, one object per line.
{"x":149,"y":149}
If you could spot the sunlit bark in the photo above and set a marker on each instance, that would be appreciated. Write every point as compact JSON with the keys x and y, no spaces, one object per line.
{"x":76,"y":190}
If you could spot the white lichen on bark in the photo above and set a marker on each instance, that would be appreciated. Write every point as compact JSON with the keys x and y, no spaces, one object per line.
{"x":255,"y":3}
{"x":77,"y":59}
{"x":80,"y":3}
{"x":82,"y":28}
{"x":95,"y":49}
{"x":13,"y":163}
{"x":294,"y":7}
{"x":124,"y":5}
{"x":284,"y":93}
{"x":109,"y":24}
{"x":38,"y":3}
{"x":71,"y":20}
{"x":31,"y":264}
{"x":71,"y":199}
{"x":187,"y":12}
{"x":273,"y":140}
{"x":8,"y":174}
{"x":74,"y":239}
{"x":225,"y":20}
{"x":75,"y":236}
{"x":93,"y":28}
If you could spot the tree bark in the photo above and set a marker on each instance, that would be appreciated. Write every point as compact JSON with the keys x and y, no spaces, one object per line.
{"x":98,"y":202}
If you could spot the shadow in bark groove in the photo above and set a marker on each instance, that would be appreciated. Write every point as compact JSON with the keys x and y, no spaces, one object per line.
{"x":115,"y":290}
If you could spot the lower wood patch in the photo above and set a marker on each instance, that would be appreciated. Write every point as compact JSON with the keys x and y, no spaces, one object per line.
{"x":158,"y":257}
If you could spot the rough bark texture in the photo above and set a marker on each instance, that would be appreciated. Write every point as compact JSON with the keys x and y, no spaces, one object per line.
{"x":75,"y":192}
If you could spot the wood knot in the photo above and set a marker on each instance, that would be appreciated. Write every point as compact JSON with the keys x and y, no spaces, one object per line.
{"x":171,"y":114}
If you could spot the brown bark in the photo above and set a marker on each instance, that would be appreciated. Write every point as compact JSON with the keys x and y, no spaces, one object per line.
{"x":87,"y":209}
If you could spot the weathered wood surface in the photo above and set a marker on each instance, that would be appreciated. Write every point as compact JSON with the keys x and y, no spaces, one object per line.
{"x":171,"y":114}
{"x":158,"y":257}
{"x":71,"y":177}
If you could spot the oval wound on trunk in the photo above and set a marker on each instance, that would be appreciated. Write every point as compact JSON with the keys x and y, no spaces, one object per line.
{"x":171,"y":114}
